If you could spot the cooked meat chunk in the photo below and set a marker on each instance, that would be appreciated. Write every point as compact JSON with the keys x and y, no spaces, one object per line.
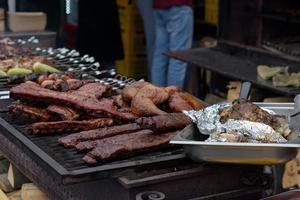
{"x":59,"y":127}
{"x":127,"y":145}
{"x":84,"y":99}
{"x":164,"y":123}
{"x":73,"y":139}
{"x":145,"y":101}
{"x":178,"y":104}
{"x":37,"y":114}
{"x":131,"y":90}
{"x":245,"y":110}
{"x":64,"y":113}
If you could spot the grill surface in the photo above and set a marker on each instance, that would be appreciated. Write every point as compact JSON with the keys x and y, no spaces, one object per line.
{"x":68,"y":162}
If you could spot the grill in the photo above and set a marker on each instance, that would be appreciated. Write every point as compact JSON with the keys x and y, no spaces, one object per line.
{"x":68,"y":162}
{"x":159,"y":175}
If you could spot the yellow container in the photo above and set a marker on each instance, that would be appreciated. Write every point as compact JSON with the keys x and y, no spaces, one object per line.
{"x":132,"y":67}
{"x":134,"y":63}
{"x":211,"y":8}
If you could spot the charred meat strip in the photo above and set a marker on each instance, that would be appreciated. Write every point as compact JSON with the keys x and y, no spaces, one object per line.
{"x":164,"y":123}
{"x":37,"y":114}
{"x":73,"y":139}
{"x":60,"y":127}
{"x":63,"y":112}
{"x":118,"y":139}
{"x":126,"y":145}
{"x":79,"y":99}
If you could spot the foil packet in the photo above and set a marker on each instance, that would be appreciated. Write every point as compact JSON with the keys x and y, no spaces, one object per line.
{"x":208,"y":123}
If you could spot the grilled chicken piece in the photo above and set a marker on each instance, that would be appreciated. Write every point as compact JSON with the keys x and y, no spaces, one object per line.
{"x":178,"y":104}
{"x":180,"y":101}
{"x":145,"y":101}
{"x":131,"y":90}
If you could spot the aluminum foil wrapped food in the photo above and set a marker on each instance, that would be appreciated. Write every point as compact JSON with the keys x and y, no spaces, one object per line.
{"x":208,"y":122}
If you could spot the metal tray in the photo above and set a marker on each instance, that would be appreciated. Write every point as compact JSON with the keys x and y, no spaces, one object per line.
{"x":290,"y":195}
{"x":240,"y":153}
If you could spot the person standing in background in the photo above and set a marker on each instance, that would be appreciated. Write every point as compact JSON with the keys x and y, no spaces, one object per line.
{"x":146,"y":11}
{"x":99,"y":32}
{"x":174,"y":31}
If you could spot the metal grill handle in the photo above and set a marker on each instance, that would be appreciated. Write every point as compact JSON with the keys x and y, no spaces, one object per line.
{"x":151,"y":195}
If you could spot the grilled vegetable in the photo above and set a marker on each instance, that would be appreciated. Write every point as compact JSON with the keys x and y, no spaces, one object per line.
{"x":18,"y":71}
{"x":42,"y":68}
{"x":2,"y":73}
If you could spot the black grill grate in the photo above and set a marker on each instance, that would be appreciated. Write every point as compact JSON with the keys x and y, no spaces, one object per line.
{"x":71,"y":161}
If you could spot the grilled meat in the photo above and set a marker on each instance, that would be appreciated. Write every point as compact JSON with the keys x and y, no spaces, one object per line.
{"x":73,"y":139}
{"x":145,"y":101}
{"x":74,"y":84}
{"x":178,"y":104}
{"x":80,"y":99}
{"x":36,"y":114}
{"x":126,"y":145}
{"x":245,"y":110}
{"x":61,"y":82}
{"x":64,"y":113}
{"x":58,"y":127}
{"x":180,"y":101}
{"x":164,"y":123}
{"x":93,"y":90}
{"x":131,"y":90}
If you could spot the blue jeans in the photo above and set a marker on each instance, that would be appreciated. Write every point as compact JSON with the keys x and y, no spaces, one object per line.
{"x":147,"y":13}
{"x":174,"y":31}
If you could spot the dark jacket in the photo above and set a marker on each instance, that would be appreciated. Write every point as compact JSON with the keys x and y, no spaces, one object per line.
{"x":99,"y":33}
{"x":165,"y":4}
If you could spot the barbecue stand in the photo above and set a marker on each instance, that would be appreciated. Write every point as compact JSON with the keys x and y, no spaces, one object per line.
{"x":159,"y":175}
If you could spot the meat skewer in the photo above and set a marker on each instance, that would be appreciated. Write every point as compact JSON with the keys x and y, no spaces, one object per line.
{"x":73,"y":139}
{"x":60,"y":127}
{"x":126,"y":145}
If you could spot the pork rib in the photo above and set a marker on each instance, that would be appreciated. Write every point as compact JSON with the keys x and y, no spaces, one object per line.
{"x":80,"y":99}
{"x":126,"y":145}
{"x":164,"y":123}
{"x":58,"y":127}
{"x":30,"y":112}
{"x":73,"y":139}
